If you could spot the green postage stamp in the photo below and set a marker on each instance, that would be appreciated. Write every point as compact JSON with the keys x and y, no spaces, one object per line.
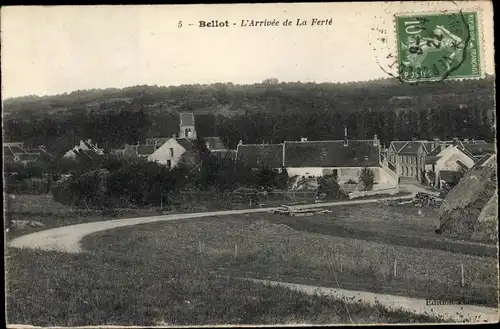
{"x":434,"y":47}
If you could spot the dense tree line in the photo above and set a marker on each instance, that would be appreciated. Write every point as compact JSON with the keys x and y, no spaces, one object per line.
{"x":256,"y":113}
{"x":113,"y":130}
{"x":110,"y":181}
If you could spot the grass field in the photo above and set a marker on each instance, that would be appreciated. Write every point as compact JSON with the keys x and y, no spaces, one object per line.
{"x":168,"y":272}
{"x":397,"y":225}
{"x":245,"y":245}
{"x":50,"y":288}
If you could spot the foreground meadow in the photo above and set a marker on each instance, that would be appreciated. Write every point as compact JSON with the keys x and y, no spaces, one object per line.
{"x":51,"y":288}
{"x":251,"y":246}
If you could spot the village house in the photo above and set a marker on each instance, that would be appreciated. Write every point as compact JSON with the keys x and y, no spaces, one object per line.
{"x":408,"y":158}
{"x":447,"y":163}
{"x":135,"y":151}
{"x":488,"y":160}
{"x":171,"y":151}
{"x":86,"y":148}
{"x":414,"y":160}
{"x":343,"y":159}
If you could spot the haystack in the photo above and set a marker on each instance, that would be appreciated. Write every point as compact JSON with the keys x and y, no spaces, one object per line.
{"x":459,"y":213}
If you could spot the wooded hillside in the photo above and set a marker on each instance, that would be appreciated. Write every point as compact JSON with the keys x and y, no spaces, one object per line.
{"x":266,"y":112}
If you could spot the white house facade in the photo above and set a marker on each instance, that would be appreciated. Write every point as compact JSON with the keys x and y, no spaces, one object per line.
{"x":172,"y":150}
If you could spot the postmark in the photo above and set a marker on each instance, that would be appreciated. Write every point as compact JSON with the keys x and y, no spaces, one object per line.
{"x":434,"y":47}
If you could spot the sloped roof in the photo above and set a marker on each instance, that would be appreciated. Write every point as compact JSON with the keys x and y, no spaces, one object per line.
{"x":462,"y":165}
{"x":480,"y":149}
{"x":185,"y":143}
{"x":436,"y":151}
{"x":214,"y":143}
{"x":450,"y":176}
{"x":187,"y":119}
{"x":411,"y":147}
{"x":479,"y":141}
{"x":16,"y":150}
{"x":331,"y":154}
{"x":157,"y":140}
{"x":398,"y":145}
{"x":145,"y":149}
{"x":231,"y":154}
{"x":41,"y":150}
{"x":257,"y":155}
{"x":431,"y":159}
{"x":130,"y":150}
{"x":28,"y":156}
{"x":7,"y":151}
{"x":482,"y":159}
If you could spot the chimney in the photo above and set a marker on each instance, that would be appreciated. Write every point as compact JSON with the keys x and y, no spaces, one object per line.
{"x":375,"y":140}
{"x":89,"y":141}
{"x":240,"y":142}
{"x":174,"y":136}
{"x":346,"y":142}
{"x":413,"y":138}
{"x":303,"y":139}
{"x":455,"y":141}
{"x":436,"y":143}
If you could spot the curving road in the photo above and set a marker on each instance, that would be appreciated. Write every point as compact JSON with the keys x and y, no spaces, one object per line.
{"x":67,"y":239}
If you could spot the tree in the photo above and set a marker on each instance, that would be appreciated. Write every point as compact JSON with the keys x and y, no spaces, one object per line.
{"x":367,"y":178}
{"x":329,"y":186}
{"x":267,"y":177}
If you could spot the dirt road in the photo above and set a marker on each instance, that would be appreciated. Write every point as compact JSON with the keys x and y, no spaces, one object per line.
{"x":67,"y":239}
{"x":458,"y":313}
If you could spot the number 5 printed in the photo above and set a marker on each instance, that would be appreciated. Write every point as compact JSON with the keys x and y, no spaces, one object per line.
{"x":179,"y":25}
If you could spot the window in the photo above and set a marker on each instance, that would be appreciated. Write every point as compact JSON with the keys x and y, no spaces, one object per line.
{"x":171,"y":152}
{"x":169,"y":163}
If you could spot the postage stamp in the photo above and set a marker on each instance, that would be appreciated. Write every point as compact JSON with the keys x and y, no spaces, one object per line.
{"x":434,"y":47}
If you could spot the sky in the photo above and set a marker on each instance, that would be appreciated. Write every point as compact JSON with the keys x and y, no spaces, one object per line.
{"x":57,"y":49}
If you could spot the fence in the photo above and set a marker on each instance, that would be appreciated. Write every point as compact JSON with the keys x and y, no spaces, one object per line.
{"x":250,"y":198}
{"x":358,"y":194}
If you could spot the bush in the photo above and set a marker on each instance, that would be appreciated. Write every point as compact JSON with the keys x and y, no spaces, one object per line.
{"x":329,"y":186}
{"x":367,"y":178}
{"x":351,"y":181}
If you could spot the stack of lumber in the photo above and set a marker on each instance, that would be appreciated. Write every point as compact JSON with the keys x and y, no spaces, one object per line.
{"x":293,"y":211}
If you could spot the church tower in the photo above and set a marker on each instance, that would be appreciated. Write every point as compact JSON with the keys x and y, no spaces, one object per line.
{"x":186,"y":126}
